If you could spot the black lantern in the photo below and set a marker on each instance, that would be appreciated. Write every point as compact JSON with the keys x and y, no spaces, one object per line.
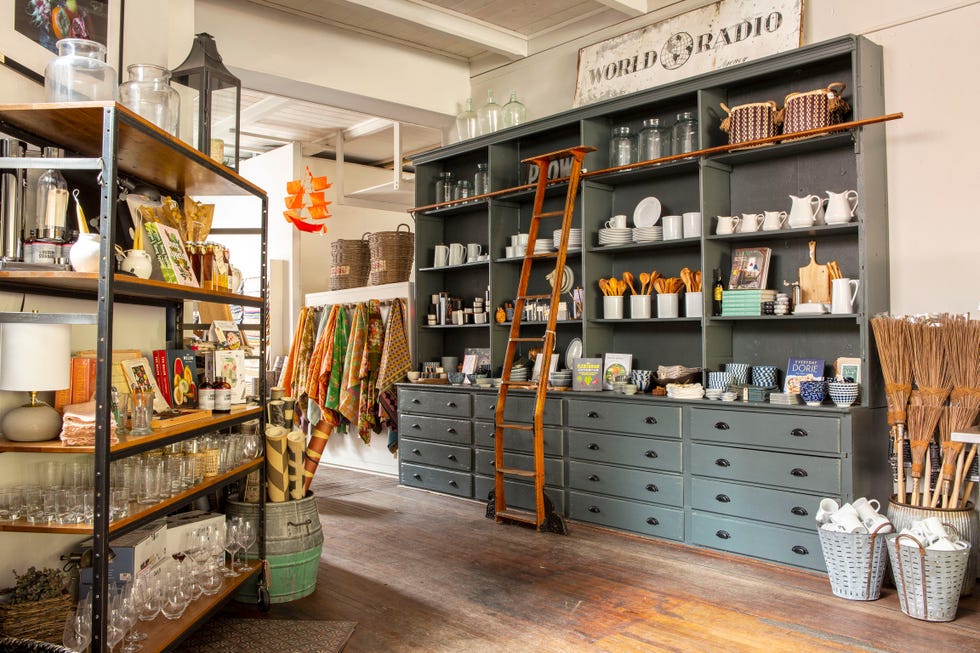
{"x":204,"y":72}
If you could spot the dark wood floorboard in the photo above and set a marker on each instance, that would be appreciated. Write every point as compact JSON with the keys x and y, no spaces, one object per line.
{"x":424,"y":572}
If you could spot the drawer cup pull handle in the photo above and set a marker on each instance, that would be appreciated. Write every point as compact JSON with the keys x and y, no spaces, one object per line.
{"x":593,"y":446}
{"x":722,"y":426}
{"x":592,"y":477}
{"x":799,"y":433}
{"x":450,"y":404}
{"x":416,"y":426}
{"x":416,"y":401}
{"x":650,"y":420}
{"x":723,"y":498}
{"x":652,"y":488}
{"x":798,"y":472}
{"x":799,"y":511}
{"x":799,"y":549}
{"x":721,"y":462}
{"x":493,"y":406}
{"x":417,"y":477}
{"x":653,"y":521}
{"x":451,"y":430}
{"x":454,"y":483}
{"x":592,"y":414}
{"x":724,"y":535}
{"x":451,"y":456}
{"x":416,"y":452}
{"x":594,"y":509}
{"x":651,"y":454}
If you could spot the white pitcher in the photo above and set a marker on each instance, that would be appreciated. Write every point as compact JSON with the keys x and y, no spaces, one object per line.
{"x":750,"y":222}
{"x":841,"y":206}
{"x":456,"y":253}
{"x":843,"y":292}
{"x":804,"y":211}
{"x":773,"y":220}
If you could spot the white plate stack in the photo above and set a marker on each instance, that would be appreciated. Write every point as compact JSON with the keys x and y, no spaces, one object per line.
{"x":518,"y":373}
{"x":560,"y":379}
{"x":615,"y":236}
{"x":542,"y":245}
{"x":574,"y":239}
{"x":647,"y":234}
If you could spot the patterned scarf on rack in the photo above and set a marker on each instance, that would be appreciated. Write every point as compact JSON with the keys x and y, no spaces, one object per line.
{"x":350,"y":387}
{"x":367,"y":408}
{"x":332,"y":373}
{"x":396,"y":360}
{"x":289,"y":369}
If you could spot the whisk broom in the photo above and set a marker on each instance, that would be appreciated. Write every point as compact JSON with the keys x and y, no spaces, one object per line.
{"x":963,"y":355}
{"x":922,"y":422}
{"x":894,"y":353}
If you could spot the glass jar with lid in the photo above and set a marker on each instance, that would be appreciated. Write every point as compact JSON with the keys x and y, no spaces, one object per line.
{"x":685,"y":133}
{"x":79,"y":73}
{"x":445,"y":187}
{"x":51,"y":207}
{"x":464,"y":189}
{"x":481,"y":180}
{"x":653,"y":141}
{"x":622,"y":147}
{"x":149,"y":93}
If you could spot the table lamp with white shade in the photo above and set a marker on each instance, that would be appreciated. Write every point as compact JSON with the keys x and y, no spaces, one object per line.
{"x":34,"y":357}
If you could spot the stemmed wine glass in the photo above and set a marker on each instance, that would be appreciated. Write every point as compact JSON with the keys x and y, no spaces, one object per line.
{"x":124,"y":612}
{"x":252,"y":446}
{"x":78,"y":630}
{"x":149,"y":596}
{"x":231,"y":545}
{"x":115,"y":629}
{"x":246,"y":536}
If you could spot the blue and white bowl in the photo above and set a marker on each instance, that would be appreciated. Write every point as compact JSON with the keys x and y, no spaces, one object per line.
{"x":720,"y":380}
{"x":740,"y":372}
{"x":641,"y":379}
{"x":765,"y":375}
{"x":842,"y":393}
{"x":813,"y":392}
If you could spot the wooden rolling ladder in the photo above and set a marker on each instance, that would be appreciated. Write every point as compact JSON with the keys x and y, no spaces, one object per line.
{"x":544,"y":516}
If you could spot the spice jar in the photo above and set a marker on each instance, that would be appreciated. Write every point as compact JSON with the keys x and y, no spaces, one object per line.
{"x":222,"y":395}
{"x":685,"y":133}
{"x":622,"y":148}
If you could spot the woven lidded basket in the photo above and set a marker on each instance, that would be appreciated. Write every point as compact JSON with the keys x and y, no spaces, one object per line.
{"x":814,"y":109}
{"x":747,"y":122}
{"x":392,"y":254}
{"x":350,"y":263}
{"x":927,"y":581}
{"x":42,"y":620}
{"x":855,"y":562}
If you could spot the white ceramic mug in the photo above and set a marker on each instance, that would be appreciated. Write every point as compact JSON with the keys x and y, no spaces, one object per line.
{"x":848,"y":518}
{"x":843,"y":292}
{"x":640,"y":306}
{"x":773,"y":220}
{"x":616,"y":222}
{"x":692,"y":224}
{"x":874,"y":523}
{"x":826,"y":509}
{"x":750,"y":222}
{"x":673,"y":227}
{"x":518,"y":240}
{"x":949,"y":545}
{"x":612,"y":307}
{"x":509,"y":251}
{"x":668,"y":304}
{"x":727,"y":224}
{"x":866,"y":508}
{"x":456,"y":253}
{"x":441,"y":257}
{"x":473,"y":252}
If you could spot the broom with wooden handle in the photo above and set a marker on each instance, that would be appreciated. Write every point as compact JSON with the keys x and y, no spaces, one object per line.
{"x":892,"y":340}
{"x":931,"y":371}
{"x":963,"y":354}
{"x":922,"y":422}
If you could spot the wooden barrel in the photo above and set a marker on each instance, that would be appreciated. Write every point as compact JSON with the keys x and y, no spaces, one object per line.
{"x":293,"y":544}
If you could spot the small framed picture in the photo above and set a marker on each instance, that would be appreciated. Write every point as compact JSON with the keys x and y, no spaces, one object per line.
{"x":848,"y":369}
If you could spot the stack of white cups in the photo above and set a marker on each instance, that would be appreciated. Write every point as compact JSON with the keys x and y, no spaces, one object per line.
{"x":861,"y":516}
{"x":934,"y":535}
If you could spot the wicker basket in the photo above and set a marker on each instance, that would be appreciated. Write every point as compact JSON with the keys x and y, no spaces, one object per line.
{"x":814,"y":109}
{"x":350,"y":263}
{"x":392,"y":254}
{"x":928,"y":581}
{"x":747,"y":122}
{"x":856,"y":563}
{"x":42,"y":620}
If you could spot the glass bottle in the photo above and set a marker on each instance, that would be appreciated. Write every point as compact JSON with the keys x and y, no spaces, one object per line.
{"x":205,"y":395}
{"x":622,"y":147}
{"x":148,"y":93}
{"x":463,"y":189}
{"x":514,"y":112}
{"x":481,"y":180}
{"x":52,"y":201}
{"x":489,"y":115}
{"x":466,"y":121}
{"x":222,"y":395}
{"x":685,"y":133}
{"x":445,"y":187}
{"x":717,"y":291}
{"x":653,"y":141}
{"x":79,"y":73}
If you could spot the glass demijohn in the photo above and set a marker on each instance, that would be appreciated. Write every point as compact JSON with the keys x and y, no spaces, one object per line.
{"x":466,"y":122}
{"x":514,"y":112}
{"x":79,"y":73}
{"x":490,"y":115}
{"x":148,"y":93}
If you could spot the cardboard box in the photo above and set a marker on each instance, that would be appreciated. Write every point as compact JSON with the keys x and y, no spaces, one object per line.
{"x":180,"y":526}
{"x":135,"y":552}
{"x":230,"y":365}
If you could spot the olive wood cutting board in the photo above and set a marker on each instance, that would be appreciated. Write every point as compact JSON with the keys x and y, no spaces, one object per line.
{"x":814,"y":279}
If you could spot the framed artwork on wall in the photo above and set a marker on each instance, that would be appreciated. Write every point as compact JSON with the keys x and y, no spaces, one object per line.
{"x":30,"y":30}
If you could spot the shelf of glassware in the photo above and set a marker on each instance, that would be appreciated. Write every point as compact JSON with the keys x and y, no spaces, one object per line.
{"x":139,"y":514}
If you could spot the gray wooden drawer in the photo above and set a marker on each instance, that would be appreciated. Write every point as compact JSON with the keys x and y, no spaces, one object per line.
{"x":649,"y":453}
{"x":457,"y":431}
{"x":639,"y":417}
{"x":658,"y":487}
{"x":788,"y":470}
{"x":645,"y":518}
{"x":452,"y":404}
{"x":554,"y":468}
{"x":519,"y":440}
{"x":519,"y":494}
{"x":789,"y":546}
{"x":439,"y":480}
{"x":430,"y":453}
{"x":737,"y":500}
{"x":803,"y":432}
{"x":520,"y":409}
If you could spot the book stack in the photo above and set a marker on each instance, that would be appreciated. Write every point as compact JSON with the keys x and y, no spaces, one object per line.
{"x":745,"y":302}
{"x":784,"y":398}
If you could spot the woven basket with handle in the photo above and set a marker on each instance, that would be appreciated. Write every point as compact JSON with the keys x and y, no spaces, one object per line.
{"x":42,"y":620}
{"x":392,"y":254}
{"x":747,"y":122}
{"x":821,"y":107}
{"x":350,"y":263}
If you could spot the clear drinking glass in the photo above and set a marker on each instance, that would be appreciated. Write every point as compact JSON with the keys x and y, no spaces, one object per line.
{"x":141,"y":411}
{"x":231,"y":546}
{"x":247,"y":535}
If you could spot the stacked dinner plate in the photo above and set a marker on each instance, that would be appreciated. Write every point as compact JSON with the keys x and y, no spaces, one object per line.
{"x":647,"y":234}
{"x":560,"y":379}
{"x":615,"y":236}
{"x":574,"y":239}
{"x":542,"y":245}
{"x":518,"y":373}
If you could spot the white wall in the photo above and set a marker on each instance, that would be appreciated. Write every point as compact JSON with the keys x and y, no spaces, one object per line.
{"x":929,"y":68}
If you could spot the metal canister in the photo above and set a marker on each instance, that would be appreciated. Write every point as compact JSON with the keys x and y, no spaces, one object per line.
{"x":47,"y":251}
{"x":12,"y":202}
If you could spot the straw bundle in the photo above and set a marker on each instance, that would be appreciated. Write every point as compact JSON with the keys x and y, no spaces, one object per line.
{"x":922,"y":421}
{"x":952,"y":459}
{"x":894,"y":353}
{"x":963,"y":354}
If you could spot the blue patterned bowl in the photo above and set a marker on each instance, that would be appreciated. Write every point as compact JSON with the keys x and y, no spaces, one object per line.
{"x":765,"y":375}
{"x":456,"y":378}
{"x":813,"y":392}
{"x":842,"y":393}
{"x":641,"y":379}
{"x":740,"y":372}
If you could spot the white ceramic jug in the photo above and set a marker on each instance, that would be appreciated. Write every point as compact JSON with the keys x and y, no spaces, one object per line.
{"x":843,"y":292}
{"x":456,"y":253}
{"x":841,"y":206}
{"x":773,"y":220}
{"x":804,"y":210}
{"x":441,"y":257}
{"x":750,"y":222}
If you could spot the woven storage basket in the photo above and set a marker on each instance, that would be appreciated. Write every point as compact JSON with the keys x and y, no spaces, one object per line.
{"x":747,"y":122}
{"x":42,"y":620}
{"x":392,"y":254}
{"x":855,"y":562}
{"x":350,"y":263}
{"x":928,"y":581}
{"x":814,"y":109}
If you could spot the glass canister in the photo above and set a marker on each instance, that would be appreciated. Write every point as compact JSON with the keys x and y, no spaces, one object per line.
{"x":490,"y":115}
{"x":622,"y":147}
{"x":481,"y":180}
{"x":148,"y":93}
{"x":466,"y":121}
{"x":514,"y":112}
{"x":79,"y":73}
{"x":445,"y":187}
{"x":52,"y":200}
{"x":463,"y":190}
{"x":685,"y":133}
{"x":653,"y":141}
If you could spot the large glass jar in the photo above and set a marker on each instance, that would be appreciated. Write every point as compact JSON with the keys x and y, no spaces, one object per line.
{"x":653,"y":141}
{"x":148,"y":93}
{"x":466,"y":122}
{"x":52,"y":201}
{"x":622,"y":147}
{"x":481,"y":180}
{"x":685,"y":133}
{"x":445,"y":187}
{"x":79,"y":73}
{"x":490,"y":115}
{"x":514,"y":112}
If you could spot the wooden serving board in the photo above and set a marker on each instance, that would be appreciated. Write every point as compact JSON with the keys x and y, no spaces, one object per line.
{"x":815,"y":279}
{"x":186,"y":415}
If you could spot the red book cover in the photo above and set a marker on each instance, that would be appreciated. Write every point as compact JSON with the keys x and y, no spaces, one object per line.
{"x":160,"y":372}
{"x":83,"y":372}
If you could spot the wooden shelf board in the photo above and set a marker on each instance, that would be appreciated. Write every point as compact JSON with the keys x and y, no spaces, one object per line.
{"x":645,"y":172}
{"x":785,"y":234}
{"x":805,"y":316}
{"x":655,"y":244}
{"x":456,"y":326}
{"x":159,"y":437}
{"x":647,"y":320}
{"x":447,"y":268}
{"x":570,"y":254}
{"x":143,"y":150}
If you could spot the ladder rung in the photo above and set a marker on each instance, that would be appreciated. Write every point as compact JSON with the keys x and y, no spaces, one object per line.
{"x":543,"y":255}
{"x":526,"y":340}
{"x":526,"y":297}
{"x":514,"y":471}
{"x":516,"y":427}
{"x":548,"y":214}
{"x":522,"y":516}
{"x":520,"y":384}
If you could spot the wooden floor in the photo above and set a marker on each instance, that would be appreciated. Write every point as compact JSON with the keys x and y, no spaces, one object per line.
{"x":425,"y":572}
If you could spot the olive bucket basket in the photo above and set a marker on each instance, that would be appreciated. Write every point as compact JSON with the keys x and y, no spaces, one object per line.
{"x":293,"y":543}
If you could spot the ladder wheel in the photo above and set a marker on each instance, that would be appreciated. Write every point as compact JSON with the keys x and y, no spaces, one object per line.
{"x":491,"y":506}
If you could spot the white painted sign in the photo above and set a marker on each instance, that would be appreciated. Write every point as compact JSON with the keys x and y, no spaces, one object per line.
{"x":723,"y":34}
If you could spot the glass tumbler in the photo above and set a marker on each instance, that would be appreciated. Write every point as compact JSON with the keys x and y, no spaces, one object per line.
{"x":141,"y":409}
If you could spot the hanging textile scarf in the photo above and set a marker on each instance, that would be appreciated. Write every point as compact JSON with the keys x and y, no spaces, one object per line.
{"x":322,"y":419}
{"x":288,"y":371}
{"x":396,"y":360}
{"x":312,"y":385}
{"x":367,"y":408}
{"x":332,"y":375}
{"x":350,"y":388}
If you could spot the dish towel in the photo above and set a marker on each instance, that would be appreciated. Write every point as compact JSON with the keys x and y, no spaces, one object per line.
{"x":78,"y":425}
{"x":367,"y":405}
{"x":350,"y":388}
{"x":396,"y":360}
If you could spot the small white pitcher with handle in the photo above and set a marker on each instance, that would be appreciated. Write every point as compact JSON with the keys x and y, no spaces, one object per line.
{"x":841,"y":206}
{"x":843,"y":292}
{"x":773,"y":220}
{"x":804,"y":210}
